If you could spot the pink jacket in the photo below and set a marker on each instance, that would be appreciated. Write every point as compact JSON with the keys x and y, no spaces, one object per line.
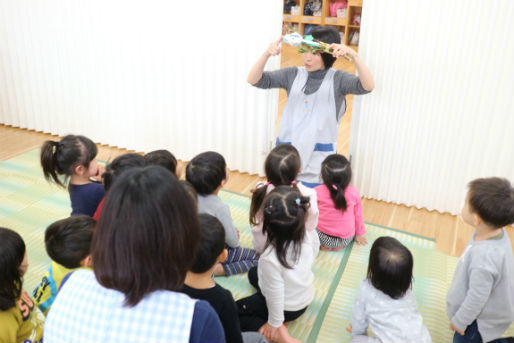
{"x":259,"y":238}
{"x":334,"y":222}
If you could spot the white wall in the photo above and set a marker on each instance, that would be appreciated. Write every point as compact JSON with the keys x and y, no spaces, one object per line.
{"x":142,"y":74}
{"x":442,"y":112}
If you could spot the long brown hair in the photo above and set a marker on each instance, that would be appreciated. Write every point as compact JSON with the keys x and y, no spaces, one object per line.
{"x":147,"y":234}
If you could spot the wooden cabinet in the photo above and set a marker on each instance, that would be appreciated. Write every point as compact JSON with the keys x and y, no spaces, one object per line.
{"x":344,"y":25}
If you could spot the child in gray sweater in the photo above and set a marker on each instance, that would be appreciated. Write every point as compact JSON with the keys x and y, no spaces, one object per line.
{"x":480,"y":301}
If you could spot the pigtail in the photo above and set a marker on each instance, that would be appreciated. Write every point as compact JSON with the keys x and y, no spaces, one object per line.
{"x":258,"y":195}
{"x":285,"y":211}
{"x":51,"y":169}
{"x":337,"y":195}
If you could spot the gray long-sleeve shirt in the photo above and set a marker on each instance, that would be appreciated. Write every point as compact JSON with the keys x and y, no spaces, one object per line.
{"x":483,"y":287}
{"x":344,"y":83}
{"x":213,"y":205}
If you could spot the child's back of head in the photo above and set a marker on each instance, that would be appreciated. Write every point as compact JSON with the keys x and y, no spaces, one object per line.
{"x":61,"y":158}
{"x":336,"y":173}
{"x":284,"y":212}
{"x":212,"y":243}
{"x":493,"y":200}
{"x":68,"y":241}
{"x":281,"y":166}
{"x":162,"y":158}
{"x":190,"y":190}
{"x":390,"y":267}
{"x":12,"y":253}
{"x":206,"y":172}
{"x":119,"y":165}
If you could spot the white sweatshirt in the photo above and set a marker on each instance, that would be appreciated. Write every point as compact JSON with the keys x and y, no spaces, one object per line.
{"x":287,"y":289}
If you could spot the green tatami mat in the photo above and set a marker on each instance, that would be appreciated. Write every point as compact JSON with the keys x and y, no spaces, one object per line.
{"x":433,"y":273}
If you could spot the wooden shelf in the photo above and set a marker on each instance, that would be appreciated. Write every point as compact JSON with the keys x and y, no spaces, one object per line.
{"x":335,"y":21}
{"x":341,"y":24}
{"x":292,"y":18}
{"x":307,"y":19}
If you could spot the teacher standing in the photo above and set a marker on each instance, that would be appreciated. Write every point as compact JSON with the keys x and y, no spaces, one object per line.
{"x":316,"y":98}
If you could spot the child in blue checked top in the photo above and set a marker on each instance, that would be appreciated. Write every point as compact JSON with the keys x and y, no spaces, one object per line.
{"x":207,"y":172}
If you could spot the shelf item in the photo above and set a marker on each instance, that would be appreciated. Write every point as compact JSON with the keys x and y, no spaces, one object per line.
{"x":347,"y":12}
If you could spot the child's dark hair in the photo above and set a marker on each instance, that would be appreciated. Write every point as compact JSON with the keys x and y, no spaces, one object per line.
{"x":206,"y":172}
{"x":162,"y":158}
{"x":390,"y":267}
{"x":12,"y":252}
{"x":285,"y":212}
{"x":493,"y":200}
{"x":336,"y":173}
{"x":119,"y":165}
{"x":190,"y":190}
{"x":61,"y":158}
{"x":281,"y":167}
{"x":148,"y":221}
{"x":212,"y":243}
{"x":68,"y":241}
{"x":326,"y":35}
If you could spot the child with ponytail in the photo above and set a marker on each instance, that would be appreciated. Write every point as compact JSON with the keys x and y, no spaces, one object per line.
{"x":281,"y":167}
{"x":283,"y":278}
{"x":340,"y":208}
{"x":75,"y":158}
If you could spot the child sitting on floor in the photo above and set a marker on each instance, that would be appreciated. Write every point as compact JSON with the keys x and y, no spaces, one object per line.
{"x":480,"y":301}
{"x":20,"y":319}
{"x":67,"y":242}
{"x":207,"y":173}
{"x":340,"y":210}
{"x":113,"y":171}
{"x":165,"y":159}
{"x":281,"y":167}
{"x":199,"y":283}
{"x":284,"y":277}
{"x":75,"y":158}
{"x":385,"y":300}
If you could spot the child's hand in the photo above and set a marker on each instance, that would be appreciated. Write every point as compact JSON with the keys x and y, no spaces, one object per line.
{"x":452,"y":327}
{"x":269,"y":332}
{"x":274,"y":48}
{"x":99,"y":172}
{"x":340,"y":50}
{"x":238,"y":234}
{"x":349,"y":328}
{"x":361,"y":240}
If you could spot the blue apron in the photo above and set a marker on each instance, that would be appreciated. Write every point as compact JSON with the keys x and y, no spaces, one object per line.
{"x":309,"y":123}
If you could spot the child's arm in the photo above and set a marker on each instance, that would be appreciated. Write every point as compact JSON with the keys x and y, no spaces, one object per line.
{"x":223,"y":214}
{"x":273,"y":290}
{"x":365,"y":76}
{"x":360,"y":322}
{"x":360,"y":229}
{"x":313,"y":212}
{"x":480,"y":286}
{"x":256,"y":72}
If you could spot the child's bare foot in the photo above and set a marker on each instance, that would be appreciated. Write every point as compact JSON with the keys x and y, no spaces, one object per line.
{"x":337,"y":249}
{"x":218,"y":270}
{"x":324,"y":248}
{"x":283,"y":336}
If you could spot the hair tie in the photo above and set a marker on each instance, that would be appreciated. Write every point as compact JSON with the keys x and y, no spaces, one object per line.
{"x":298,"y":201}
{"x":267,"y":183}
{"x":334,"y":186}
{"x":55,"y":144}
{"x":293,"y":182}
{"x":268,"y":210}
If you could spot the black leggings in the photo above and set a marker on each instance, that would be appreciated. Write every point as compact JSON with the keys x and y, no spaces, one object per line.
{"x":253,"y":312}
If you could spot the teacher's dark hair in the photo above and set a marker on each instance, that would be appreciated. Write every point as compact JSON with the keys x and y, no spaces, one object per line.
{"x":147,"y":234}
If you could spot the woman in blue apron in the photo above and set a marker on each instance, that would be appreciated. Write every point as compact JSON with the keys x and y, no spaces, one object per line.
{"x":316,"y":98}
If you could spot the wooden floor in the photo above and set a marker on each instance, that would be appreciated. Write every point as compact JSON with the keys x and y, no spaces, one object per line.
{"x":450,"y":232}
